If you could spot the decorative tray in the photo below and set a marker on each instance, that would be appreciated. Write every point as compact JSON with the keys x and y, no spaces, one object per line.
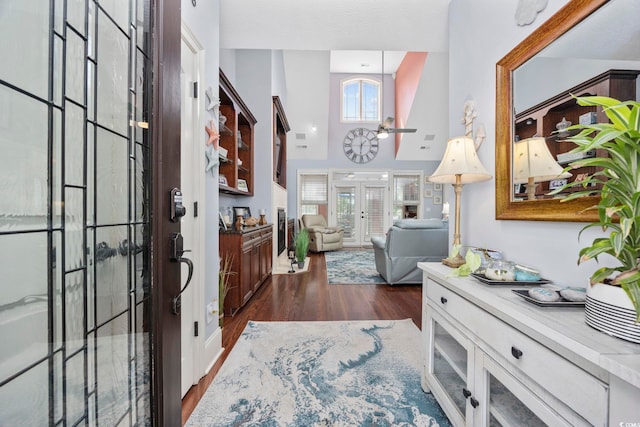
{"x":561,"y":303}
{"x":483,"y":279}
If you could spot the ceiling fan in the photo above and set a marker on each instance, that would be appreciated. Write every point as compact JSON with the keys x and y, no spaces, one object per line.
{"x":384,"y":128}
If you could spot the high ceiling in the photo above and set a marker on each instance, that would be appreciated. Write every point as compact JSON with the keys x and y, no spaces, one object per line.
{"x":362,"y":27}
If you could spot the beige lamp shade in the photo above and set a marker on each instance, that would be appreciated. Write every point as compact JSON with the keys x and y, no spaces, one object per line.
{"x":532,"y":159}
{"x":460,"y":158}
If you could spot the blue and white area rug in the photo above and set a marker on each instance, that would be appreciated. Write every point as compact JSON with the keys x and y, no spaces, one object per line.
{"x":361,"y":373}
{"x":352,"y":268}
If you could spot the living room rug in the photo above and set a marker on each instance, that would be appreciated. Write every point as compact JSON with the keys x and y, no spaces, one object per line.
{"x":357,"y":373}
{"x":352,"y":268}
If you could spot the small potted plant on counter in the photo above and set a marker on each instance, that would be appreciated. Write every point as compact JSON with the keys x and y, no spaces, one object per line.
{"x":615,"y":291}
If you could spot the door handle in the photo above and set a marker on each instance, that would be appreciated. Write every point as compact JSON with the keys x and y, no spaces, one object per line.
{"x":175,"y":255}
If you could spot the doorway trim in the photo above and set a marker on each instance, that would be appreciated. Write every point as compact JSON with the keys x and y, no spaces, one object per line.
{"x":165,"y":109}
{"x":198,"y":178}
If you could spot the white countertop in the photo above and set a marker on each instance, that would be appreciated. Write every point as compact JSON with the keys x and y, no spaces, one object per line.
{"x":562,"y":329}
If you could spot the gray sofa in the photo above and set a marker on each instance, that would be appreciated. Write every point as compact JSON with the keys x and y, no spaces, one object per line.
{"x":408,"y":242}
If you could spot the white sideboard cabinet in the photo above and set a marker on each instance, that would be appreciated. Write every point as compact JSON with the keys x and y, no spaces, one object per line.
{"x":493,"y":359}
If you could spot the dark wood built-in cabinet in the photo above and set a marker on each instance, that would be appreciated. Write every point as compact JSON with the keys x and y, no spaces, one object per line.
{"x":250,"y":249}
{"x":237,"y":137}
{"x":280,"y":129}
{"x":542,"y":119}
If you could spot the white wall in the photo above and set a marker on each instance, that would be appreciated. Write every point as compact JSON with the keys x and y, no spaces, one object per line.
{"x":253,"y":82}
{"x":429,"y":112}
{"x":307,"y":74}
{"x":551,"y":247}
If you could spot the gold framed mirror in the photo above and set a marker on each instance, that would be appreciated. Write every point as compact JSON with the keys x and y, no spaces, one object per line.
{"x":507,"y":208}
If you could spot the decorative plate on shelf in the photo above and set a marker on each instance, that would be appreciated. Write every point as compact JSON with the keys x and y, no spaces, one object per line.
{"x":483,"y":279}
{"x":561,"y":303}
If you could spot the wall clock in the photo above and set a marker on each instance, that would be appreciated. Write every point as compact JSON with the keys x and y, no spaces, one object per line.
{"x":360,"y":145}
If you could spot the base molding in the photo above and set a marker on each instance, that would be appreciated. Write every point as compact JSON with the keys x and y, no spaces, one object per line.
{"x":212,"y":350}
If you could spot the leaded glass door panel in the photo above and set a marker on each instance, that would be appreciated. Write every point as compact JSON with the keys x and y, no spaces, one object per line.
{"x":74,"y":220}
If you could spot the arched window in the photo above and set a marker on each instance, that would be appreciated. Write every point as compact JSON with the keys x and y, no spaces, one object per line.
{"x":360,"y":100}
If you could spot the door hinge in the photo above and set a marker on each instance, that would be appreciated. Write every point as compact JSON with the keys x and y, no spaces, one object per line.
{"x":195,"y":89}
{"x":195,"y":209}
{"x":195,"y":329}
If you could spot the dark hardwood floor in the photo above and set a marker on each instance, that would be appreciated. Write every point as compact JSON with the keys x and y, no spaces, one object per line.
{"x":306,"y":297}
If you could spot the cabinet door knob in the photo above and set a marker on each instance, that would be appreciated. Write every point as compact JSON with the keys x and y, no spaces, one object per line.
{"x":516,"y":353}
{"x":474,"y":402}
{"x":443,"y":300}
{"x":466,"y":393}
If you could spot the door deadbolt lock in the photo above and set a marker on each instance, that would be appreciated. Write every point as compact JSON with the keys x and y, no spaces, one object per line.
{"x":176,"y":208}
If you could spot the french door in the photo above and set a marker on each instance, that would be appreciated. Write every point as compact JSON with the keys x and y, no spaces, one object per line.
{"x":361,"y":209}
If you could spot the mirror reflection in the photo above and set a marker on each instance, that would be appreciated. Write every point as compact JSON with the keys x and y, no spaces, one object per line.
{"x":598,"y":56}
{"x":578,"y":50}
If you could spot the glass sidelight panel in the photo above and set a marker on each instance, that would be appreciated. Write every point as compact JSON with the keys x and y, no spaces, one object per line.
{"x":346,"y":210}
{"x":23,"y":163}
{"x":374,"y":211}
{"x":25,"y":64}
{"x":112,"y":54}
{"x":74,"y":230}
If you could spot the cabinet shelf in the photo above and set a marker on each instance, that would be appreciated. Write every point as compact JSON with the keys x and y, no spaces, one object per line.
{"x":224,"y":130}
{"x":237,"y":137}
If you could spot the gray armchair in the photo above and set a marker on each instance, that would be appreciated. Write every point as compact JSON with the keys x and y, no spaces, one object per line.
{"x":408,"y":242}
{"x":322,"y":237}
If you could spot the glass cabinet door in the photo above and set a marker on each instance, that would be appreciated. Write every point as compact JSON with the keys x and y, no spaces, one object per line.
{"x":451,"y":357}
{"x":510,"y":403}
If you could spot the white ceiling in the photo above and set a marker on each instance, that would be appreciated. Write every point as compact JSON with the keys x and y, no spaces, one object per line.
{"x":356,"y":31}
{"x":365,"y":61}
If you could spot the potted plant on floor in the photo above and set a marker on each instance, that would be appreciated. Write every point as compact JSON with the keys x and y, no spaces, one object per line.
{"x":614,"y":291}
{"x":302,"y":246}
{"x":224,"y":274}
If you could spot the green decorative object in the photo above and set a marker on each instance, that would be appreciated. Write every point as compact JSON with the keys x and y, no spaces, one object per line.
{"x":617,"y":182}
{"x":472,"y":259}
{"x":302,"y":245}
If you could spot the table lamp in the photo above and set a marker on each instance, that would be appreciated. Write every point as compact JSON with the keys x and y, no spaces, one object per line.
{"x":533,"y":163}
{"x":459,"y":166}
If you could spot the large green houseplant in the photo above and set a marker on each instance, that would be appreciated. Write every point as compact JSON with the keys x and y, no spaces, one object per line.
{"x":617,"y":182}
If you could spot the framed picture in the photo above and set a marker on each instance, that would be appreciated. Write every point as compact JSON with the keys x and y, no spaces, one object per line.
{"x":428,"y":192}
{"x":437,"y":200}
{"x":222,"y":180}
{"x":242,"y":185}
{"x":241,"y":211}
{"x":437,"y":187}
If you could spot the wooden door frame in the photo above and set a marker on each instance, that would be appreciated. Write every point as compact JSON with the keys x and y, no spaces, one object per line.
{"x":165,"y":155}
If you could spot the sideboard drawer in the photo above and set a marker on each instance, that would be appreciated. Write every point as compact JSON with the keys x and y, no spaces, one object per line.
{"x":581,"y":391}
{"x":578,"y":389}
